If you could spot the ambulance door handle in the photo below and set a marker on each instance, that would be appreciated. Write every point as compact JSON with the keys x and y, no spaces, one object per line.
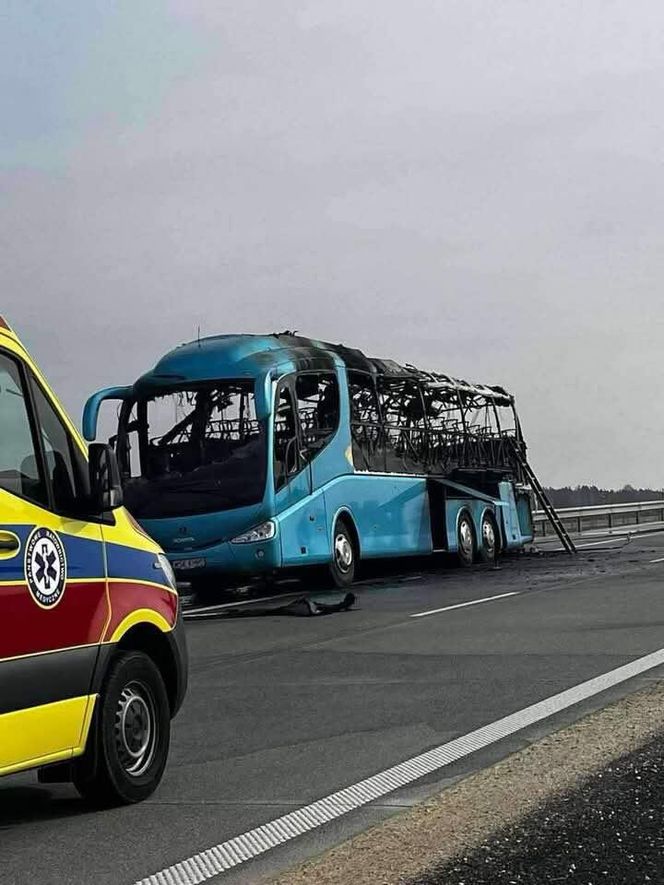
{"x":9,"y":545}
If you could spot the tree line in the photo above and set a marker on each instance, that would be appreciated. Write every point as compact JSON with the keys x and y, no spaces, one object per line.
{"x":587,"y":496}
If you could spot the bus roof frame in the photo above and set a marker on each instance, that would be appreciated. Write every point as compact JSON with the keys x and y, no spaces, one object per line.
{"x":225,"y":357}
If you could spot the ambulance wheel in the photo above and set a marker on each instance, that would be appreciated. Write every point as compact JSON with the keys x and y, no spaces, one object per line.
{"x":128,"y":744}
{"x":489,"y":548}
{"x":466,"y":540}
{"x":342,"y":567}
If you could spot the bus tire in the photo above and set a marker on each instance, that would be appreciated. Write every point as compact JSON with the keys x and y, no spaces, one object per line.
{"x":489,"y":546}
{"x":466,"y":545}
{"x":344,"y":555}
{"x":129,"y":741}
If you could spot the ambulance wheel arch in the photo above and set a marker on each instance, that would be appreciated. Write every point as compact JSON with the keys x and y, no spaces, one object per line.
{"x":157,"y":644}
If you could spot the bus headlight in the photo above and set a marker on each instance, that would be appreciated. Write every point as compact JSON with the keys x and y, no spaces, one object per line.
{"x":263,"y":532}
{"x":165,"y":566}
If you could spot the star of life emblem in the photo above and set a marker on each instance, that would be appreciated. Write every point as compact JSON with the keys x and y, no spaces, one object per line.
{"x":45,"y":567}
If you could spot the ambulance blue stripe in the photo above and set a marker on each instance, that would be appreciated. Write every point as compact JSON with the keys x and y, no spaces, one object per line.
{"x":133,"y":565}
{"x":85,"y":557}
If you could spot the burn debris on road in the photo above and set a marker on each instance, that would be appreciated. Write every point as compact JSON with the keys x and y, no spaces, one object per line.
{"x":300,"y":607}
{"x":610,"y":829}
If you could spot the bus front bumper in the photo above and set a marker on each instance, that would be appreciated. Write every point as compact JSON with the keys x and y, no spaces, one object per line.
{"x":227,"y":558}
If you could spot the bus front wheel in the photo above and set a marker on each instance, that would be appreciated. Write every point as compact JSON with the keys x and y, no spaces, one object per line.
{"x":466,"y":540}
{"x":344,"y":558}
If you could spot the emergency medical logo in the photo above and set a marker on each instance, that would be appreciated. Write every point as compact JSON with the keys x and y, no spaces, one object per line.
{"x":45,"y":567}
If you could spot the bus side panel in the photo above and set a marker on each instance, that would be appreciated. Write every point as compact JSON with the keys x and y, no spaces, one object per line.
{"x":391,"y":513}
{"x":303,"y":531}
{"x":525,"y":516}
{"x":512,"y":529}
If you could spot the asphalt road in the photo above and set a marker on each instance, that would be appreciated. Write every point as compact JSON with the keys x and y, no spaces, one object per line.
{"x":282,"y":710}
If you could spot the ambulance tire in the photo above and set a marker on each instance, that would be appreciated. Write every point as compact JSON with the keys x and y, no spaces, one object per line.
{"x":128,"y":744}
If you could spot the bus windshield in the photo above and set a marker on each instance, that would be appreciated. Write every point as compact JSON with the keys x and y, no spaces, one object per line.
{"x":192,"y":450}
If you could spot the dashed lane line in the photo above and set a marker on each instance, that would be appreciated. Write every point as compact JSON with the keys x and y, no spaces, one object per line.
{"x":449,"y":608}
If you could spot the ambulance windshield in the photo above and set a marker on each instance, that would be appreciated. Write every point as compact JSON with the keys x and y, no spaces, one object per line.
{"x":192,"y":450}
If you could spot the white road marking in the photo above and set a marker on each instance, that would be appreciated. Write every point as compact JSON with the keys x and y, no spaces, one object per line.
{"x":226,"y":855}
{"x":626,"y":538}
{"x":607,"y":541}
{"x":449,"y":608}
{"x":661,"y":559}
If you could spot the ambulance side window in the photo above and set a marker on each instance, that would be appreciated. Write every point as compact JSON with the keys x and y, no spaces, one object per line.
{"x":19,"y":466}
{"x":65,"y":464}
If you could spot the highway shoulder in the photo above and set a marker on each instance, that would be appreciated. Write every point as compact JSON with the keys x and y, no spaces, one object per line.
{"x":532,"y":804}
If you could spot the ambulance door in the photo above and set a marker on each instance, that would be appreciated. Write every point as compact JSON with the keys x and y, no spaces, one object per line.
{"x":53,"y":595}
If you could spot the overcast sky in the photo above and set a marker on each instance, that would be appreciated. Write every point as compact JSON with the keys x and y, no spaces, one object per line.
{"x":475,"y":187}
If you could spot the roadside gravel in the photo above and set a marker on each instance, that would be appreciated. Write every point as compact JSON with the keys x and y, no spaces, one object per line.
{"x":607,"y":830}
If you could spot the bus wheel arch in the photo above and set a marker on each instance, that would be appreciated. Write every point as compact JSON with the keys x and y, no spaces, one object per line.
{"x":466,"y":538}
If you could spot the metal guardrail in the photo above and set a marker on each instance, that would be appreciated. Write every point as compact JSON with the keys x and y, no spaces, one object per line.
{"x":639,"y":516}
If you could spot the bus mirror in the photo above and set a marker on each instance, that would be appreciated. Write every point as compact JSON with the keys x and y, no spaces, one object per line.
{"x":92,"y":406}
{"x":105,"y":485}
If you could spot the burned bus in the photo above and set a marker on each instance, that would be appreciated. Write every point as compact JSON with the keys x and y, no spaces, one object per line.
{"x":251,"y":454}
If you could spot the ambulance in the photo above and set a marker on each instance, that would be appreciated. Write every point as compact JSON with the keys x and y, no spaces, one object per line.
{"x":93,"y":660}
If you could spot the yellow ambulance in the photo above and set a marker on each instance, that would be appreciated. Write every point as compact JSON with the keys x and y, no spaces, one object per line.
{"x":93,"y":661}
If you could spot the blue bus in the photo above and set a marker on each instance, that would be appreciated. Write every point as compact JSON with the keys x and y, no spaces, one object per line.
{"x":250,"y":454}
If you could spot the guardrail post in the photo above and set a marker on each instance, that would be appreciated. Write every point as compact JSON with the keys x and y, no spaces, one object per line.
{"x":610,"y":520}
{"x":578,"y":522}
{"x":637,"y":517}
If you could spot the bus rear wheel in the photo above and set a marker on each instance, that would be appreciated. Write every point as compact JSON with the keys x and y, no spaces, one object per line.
{"x":344,"y":558}
{"x":466,"y":540}
{"x":489,"y":544}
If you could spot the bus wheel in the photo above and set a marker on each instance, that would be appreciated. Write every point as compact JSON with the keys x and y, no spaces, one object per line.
{"x":489,"y":545}
{"x":342,"y":566}
{"x":466,"y":540}
{"x":128,"y":745}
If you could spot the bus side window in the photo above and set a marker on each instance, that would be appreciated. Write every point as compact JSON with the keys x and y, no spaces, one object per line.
{"x":405,"y":425}
{"x":318,"y":409}
{"x":127,"y":442}
{"x":366,"y":428}
{"x":286,"y":454}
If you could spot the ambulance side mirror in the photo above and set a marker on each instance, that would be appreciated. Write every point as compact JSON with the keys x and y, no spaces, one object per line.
{"x":105,"y":485}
